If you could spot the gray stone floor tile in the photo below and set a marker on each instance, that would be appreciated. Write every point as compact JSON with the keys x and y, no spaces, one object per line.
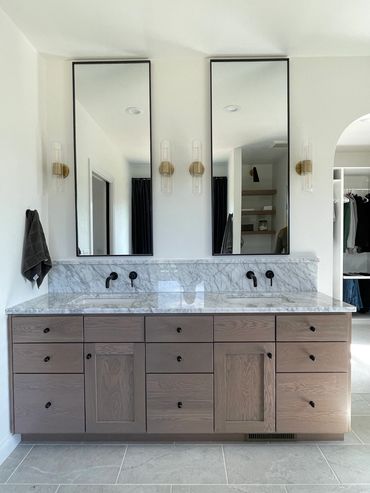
{"x":8,"y":466}
{"x":277,"y":464}
{"x":114,"y":489}
{"x":360,"y":406}
{"x":351,"y":464}
{"x":229,"y":489}
{"x":361,"y":426}
{"x":173,"y":464}
{"x":66,"y":464}
{"x":27,"y":488}
{"x":349,"y":439}
{"x":329,"y":489}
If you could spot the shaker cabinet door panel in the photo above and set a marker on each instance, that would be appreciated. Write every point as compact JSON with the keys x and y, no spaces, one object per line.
{"x":115,"y":387}
{"x":244,"y":387}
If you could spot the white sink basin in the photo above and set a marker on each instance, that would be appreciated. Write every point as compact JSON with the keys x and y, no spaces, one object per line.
{"x":257,"y":300}
{"x":92,"y":301}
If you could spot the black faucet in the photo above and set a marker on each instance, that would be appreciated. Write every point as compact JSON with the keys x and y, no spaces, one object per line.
{"x":270,"y":275}
{"x":132,"y":276}
{"x":250,"y":275}
{"x":112,"y":277}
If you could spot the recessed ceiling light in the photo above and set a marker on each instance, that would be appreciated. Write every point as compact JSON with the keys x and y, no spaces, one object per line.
{"x":232,"y":108}
{"x":133,"y":110}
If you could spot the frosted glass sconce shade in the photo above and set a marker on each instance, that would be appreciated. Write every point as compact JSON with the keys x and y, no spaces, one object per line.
{"x":166,"y":168}
{"x":196,"y":168}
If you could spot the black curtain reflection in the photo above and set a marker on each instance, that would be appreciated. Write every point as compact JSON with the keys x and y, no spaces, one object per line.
{"x":141,"y":216}
{"x":219,"y":211}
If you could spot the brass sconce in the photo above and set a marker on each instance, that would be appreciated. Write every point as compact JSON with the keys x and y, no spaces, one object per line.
{"x":304,"y":168}
{"x":196,"y":168}
{"x":59,"y":170}
{"x":166,"y":168}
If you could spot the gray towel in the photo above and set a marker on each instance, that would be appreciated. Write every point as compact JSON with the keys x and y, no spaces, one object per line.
{"x":36,"y":261}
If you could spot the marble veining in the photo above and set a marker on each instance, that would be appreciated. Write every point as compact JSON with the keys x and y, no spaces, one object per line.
{"x":216,"y":275}
{"x":182,"y":302}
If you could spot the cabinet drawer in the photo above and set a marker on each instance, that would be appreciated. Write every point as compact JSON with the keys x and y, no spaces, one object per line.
{"x":49,"y":404}
{"x":48,"y":358}
{"x":179,"y":403}
{"x":312,"y":403}
{"x":179,"y":358}
{"x":47,"y":329}
{"x":179,"y":329}
{"x":244,"y":328}
{"x":312,"y":357}
{"x":114,"y":329}
{"x":313,"y":327}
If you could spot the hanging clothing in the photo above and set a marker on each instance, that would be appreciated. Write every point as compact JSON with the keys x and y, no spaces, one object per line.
{"x":346,"y":222}
{"x":363,"y":225}
{"x":219,"y":211}
{"x":351,"y":240}
{"x":141,"y":216}
{"x":351,"y":293}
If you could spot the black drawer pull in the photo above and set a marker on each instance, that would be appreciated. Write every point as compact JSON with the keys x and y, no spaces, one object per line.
{"x":312,"y":404}
{"x":46,"y":359}
{"x":179,"y":358}
{"x":88,"y":356}
{"x":179,"y":405}
{"x":312,"y":328}
{"x":179,"y":330}
{"x":269,"y":355}
{"x":47,"y":405}
{"x":312,"y":357}
{"x":46,"y":330}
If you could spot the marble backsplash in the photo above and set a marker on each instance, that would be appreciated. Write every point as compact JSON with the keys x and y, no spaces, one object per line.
{"x":292,"y":274}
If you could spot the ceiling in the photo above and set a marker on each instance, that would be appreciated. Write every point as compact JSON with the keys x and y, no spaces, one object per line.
{"x":160,"y":28}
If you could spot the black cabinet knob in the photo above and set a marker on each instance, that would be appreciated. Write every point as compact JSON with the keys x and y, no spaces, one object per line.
{"x":179,"y":330}
{"x":88,"y":356}
{"x":312,"y":404}
{"x":47,"y":405}
{"x":46,"y":359}
{"x":179,"y":358}
{"x":269,"y":355}
{"x":312,"y":357}
{"x":179,"y":405}
{"x":312,"y":328}
{"x":46,"y":330}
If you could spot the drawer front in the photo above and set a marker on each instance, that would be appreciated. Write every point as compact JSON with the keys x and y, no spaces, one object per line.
{"x":47,"y":329}
{"x":312,"y":357}
{"x":244,"y":328}
{"x":114,"y":329}
{"x":179,"y":329}
{"x":179,"y":358}
{"x":49,"y":404}
{"x":179,"y":403}
{"x":48,"y":358}
{"x":313,"y":327}
{"x":312,"y":403}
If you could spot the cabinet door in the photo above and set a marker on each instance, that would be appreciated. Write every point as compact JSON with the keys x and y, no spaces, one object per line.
{"x":115,"y":387}
{"x":244,"y":387}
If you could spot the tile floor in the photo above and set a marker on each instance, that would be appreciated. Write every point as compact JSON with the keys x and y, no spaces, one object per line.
{"x":341,"y":467}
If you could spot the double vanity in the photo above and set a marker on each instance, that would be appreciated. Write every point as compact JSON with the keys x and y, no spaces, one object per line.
{"x":201,"y":364}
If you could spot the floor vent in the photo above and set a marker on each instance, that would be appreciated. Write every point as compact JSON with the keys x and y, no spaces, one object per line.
{"x":271,"y":436}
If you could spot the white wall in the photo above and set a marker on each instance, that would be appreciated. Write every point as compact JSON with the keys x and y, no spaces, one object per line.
{"x":21,"y":185}
{"x":326,"y":94}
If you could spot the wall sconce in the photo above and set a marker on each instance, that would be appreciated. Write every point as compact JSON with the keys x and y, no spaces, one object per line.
{"x":304,"y":169}
{"x":59,"y":169}
{"x":166,"y":168}
{"x":196,"y":169}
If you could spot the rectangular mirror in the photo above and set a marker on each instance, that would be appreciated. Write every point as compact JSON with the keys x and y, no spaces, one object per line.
{"x":250,"y":156}
{"x":112,"y":145}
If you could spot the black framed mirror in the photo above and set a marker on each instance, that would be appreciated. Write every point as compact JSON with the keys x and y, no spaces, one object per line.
{"x":250,"y":156}
{"x":113,"y":158}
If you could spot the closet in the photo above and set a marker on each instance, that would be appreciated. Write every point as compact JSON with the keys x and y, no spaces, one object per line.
{"x":351,"y":233}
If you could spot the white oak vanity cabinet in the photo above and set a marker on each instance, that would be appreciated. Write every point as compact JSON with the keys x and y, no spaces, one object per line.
{"x":157,"y":374}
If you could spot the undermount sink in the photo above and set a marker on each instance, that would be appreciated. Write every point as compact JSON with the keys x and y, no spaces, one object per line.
{"x":257,"y":299}
{"x":104,"y":300}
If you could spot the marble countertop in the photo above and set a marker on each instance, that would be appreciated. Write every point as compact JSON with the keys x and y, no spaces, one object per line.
{"x":188,"y":302}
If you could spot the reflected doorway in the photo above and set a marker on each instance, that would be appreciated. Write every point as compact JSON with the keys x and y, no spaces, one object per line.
{"x":100,"y":207}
